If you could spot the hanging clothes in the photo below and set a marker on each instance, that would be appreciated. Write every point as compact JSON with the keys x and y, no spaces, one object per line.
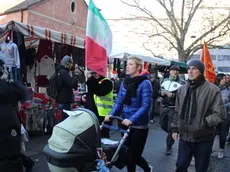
{"x":46,"y":67}
{"x":10,"y":54}
{"x":13,"y":74}
{"x":18,"y":39}
{"x":44,"y":49}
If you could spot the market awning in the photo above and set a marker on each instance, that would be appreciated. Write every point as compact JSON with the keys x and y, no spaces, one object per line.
{"x":149,"y":59}
{"x":42,"y":33}
{"x":180,"y":64}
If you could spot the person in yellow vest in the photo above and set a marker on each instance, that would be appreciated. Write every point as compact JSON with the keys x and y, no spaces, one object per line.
{"x":99,"y":98}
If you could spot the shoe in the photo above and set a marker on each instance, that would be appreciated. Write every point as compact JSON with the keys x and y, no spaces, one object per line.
{"x":220,"y":154}
{"x":214,"y":153}
{"x":168,"y":150}
{"x":151,"y":168}
{"x":152,"y":121}
{"x":228,"y":140}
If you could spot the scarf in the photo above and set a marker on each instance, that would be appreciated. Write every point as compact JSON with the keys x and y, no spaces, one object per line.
{"x":188,"y":113}
{"x":131,"y":85}
{"x":223,"y":87}
{"x":173,"y":78}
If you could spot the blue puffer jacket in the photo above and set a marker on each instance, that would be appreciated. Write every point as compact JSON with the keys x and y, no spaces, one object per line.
{"x":139,"y":110}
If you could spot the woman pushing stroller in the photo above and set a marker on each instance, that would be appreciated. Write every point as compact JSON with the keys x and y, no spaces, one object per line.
{"x":133,"y":102}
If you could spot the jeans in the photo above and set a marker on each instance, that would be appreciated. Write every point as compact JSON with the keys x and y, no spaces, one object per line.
{"x":169,"y":139}
{"x":64,"y":107}
{"x":201,"y":152}
{"x":222,"y":128}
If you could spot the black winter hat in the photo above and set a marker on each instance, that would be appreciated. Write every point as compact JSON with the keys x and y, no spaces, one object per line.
{"x":174,"y":67}
{"x":197,"y":64}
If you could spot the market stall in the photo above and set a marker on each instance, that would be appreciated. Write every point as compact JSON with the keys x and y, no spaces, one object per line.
{"x":149,"y":59}
{"x":35,"y":52}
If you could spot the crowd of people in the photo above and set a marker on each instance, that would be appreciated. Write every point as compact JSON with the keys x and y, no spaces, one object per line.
{"x":194,"y":111}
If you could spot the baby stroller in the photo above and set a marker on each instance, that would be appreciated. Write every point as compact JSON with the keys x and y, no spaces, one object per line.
{"x":75,"y":145}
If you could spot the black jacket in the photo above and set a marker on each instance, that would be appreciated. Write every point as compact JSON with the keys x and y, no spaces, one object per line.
{"x":10,"y":127}
{"x":98,"y":89}
{"x":65,"y":84}
{"x":156,"y":88}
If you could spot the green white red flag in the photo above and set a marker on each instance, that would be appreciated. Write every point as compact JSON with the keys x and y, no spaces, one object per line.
{"x":98,"y":41}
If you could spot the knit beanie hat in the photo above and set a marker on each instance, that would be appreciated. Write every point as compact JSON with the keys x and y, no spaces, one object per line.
{"x":197,"y":64}
{"x":66,"y":61}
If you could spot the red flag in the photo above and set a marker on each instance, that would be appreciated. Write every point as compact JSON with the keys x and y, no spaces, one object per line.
{"x":209,"y":72}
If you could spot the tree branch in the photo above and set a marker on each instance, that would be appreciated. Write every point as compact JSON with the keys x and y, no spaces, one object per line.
{"x":206,"y":33}
{"x":193,"y":50}
{"x":171,"y":16}
{"x":148,"y":13}
{"x":191,"y":15}
{"x":182,"y":15}
{"x":149,"y":49}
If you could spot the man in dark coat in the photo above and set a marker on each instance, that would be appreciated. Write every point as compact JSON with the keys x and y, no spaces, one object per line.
{"x":10,"y":129}
{"x":199,"y":109}
{"x":65,"y":84}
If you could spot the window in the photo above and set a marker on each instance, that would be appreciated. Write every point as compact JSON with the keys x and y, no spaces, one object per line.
{"x":213,"y":57}
{"x":224,"y":69}
{"x":196,"y":57}
{"x":224,"y":57}
{"x":73,"y":6}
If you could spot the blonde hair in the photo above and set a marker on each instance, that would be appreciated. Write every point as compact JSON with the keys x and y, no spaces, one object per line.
{"x":137,"y":60}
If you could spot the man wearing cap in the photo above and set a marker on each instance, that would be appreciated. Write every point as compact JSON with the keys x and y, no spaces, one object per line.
{"x":65,"y":84}
{"x":199,"y":109}
{"x":169,"y":89}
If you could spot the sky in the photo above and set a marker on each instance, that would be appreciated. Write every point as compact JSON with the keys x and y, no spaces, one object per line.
{"x":8,"y":4}
{"x":110,"y":9}
{"x":115,"y":9}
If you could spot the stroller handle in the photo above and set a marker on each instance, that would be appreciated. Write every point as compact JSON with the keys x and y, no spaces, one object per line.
{"x":113,"y":127}
{"x":116,"y":117}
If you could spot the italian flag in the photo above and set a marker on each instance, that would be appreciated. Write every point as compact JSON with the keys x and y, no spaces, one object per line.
{"x":98,"y":41}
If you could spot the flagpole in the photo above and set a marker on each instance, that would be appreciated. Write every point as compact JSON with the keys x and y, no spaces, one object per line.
{"x":86,"y":71}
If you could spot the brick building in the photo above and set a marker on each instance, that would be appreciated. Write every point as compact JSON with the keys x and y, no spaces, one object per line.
{"x":67,"y":16}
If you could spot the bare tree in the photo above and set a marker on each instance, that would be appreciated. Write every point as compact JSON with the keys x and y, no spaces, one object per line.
{"x":174,"y":29}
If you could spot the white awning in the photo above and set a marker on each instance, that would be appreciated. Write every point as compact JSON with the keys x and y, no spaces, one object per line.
{"x":43,"y":33}
{"x":149,"y":59}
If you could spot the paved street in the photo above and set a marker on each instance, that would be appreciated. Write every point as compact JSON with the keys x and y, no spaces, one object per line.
{"x":154,"y":153}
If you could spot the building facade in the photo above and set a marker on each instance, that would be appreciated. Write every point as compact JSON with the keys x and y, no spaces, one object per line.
{"x":66,"y":16}
{"x":220,"y":59}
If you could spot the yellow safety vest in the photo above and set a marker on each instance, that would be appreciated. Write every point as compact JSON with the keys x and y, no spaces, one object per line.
{"x":104,"y":103}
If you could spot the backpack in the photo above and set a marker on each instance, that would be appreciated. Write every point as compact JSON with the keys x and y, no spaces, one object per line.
{"x":53,"y":87}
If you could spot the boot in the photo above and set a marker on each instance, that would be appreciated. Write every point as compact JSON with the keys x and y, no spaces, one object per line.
{"x":168,"y":150}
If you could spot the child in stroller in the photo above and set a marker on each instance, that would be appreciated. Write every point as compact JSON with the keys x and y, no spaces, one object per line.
{"x":76,"y":145}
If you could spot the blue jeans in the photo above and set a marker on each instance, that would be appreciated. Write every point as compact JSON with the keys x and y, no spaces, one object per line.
{"x":64,"y":107}
{"x":201,"y":152}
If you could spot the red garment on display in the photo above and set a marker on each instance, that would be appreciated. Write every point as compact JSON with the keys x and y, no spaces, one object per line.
{"x":44,"y":48}
{"x":42,"y":80}
{"x":44,"y":99}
